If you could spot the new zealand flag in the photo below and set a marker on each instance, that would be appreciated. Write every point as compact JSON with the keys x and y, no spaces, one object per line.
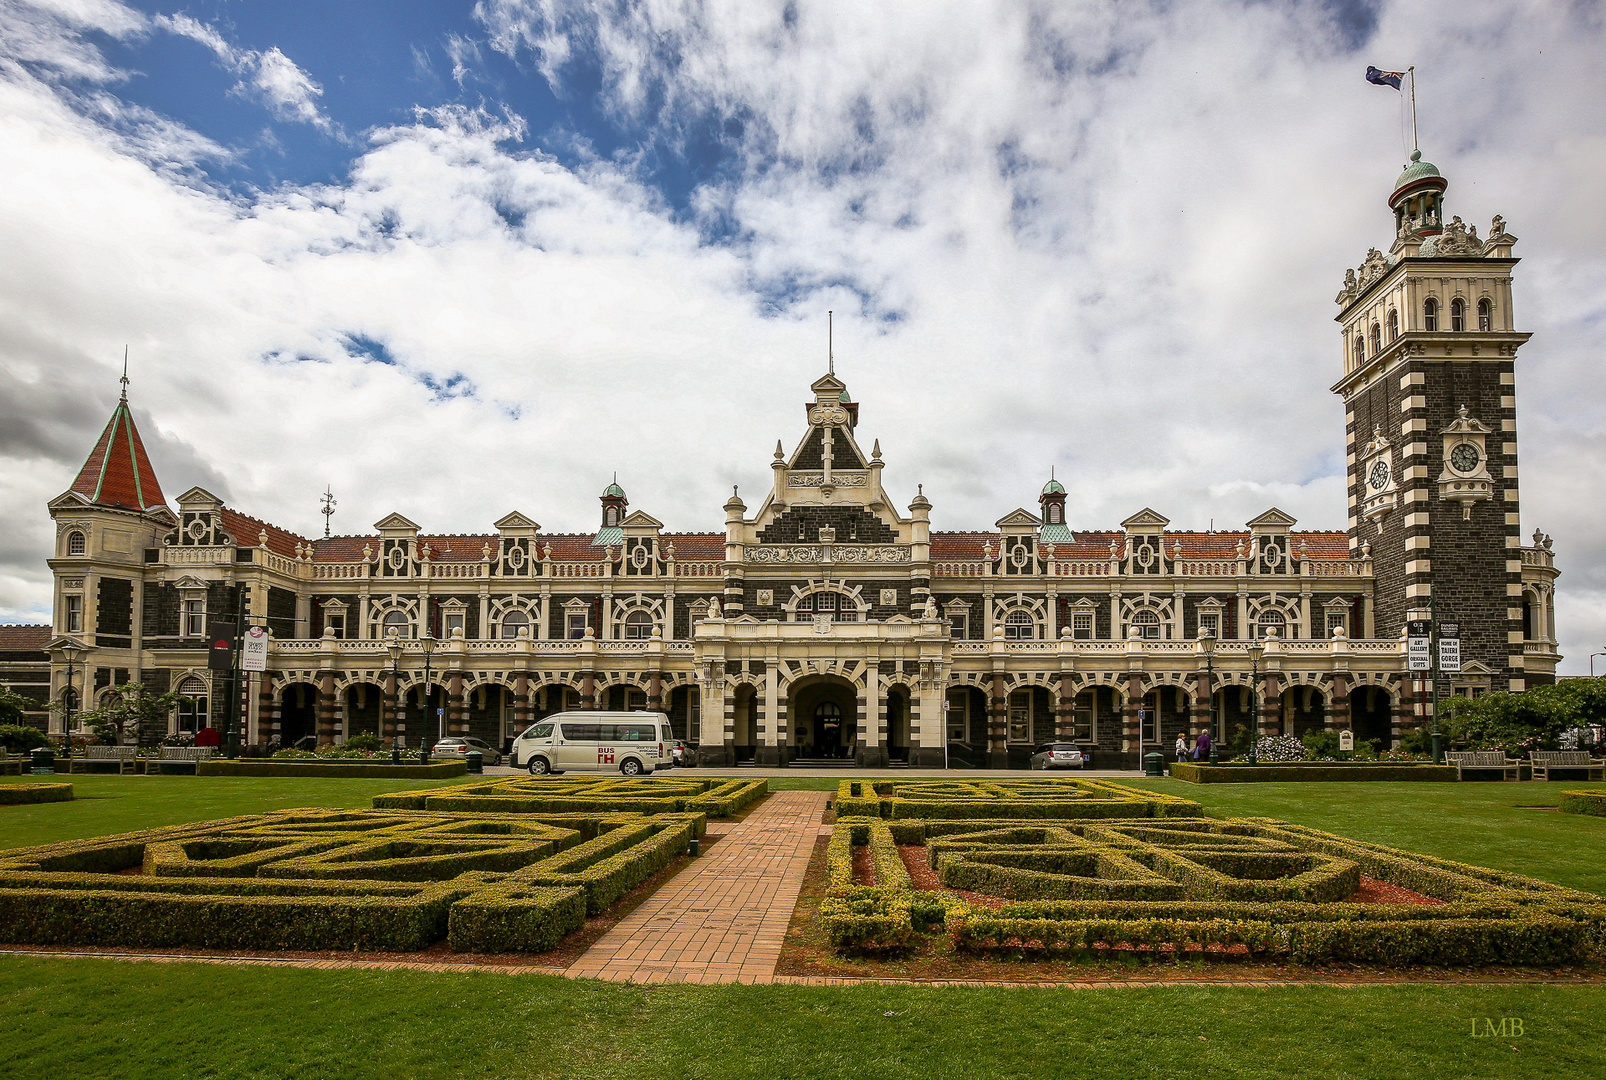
{"x":1384,"y":78}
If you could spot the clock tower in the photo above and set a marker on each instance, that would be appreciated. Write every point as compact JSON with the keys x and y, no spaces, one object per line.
{"x":1430,"y":347}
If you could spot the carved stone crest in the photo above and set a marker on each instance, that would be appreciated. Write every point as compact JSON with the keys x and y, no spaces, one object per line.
{"x":828,"y":416}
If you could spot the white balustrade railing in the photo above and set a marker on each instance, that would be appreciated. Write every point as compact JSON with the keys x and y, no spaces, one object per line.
{"x":958,"y":569}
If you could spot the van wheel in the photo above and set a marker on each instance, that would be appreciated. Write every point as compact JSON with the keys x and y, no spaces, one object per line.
{"x":539,"y":766}
{"x":631,"y":767}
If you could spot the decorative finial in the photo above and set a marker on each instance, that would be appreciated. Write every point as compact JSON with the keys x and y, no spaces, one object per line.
{"x":780,"y":454}
{"x":1462,"y":412}
{"x":875,"y":451}
{"x":124,"y":379}
{"x":920,"y":489}
{"x":328,"y":499}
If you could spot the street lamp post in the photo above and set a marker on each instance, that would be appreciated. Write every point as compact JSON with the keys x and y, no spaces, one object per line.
{"x":1592,"y":662}
{"x":70,"y":651}
{"x":1256,"y":648}
{"x":427,"y":643}
{"x":1207,"y":644}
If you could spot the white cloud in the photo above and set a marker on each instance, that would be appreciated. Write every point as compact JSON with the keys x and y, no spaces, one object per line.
{"x":268,"y":75}
{"x":1103,"y":239}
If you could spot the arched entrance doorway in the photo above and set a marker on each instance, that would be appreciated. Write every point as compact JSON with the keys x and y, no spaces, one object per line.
{"x":1370,"y":710}
{"x":824,"y":717}
{"x":298,"y":713}
{"x":898,"y":723}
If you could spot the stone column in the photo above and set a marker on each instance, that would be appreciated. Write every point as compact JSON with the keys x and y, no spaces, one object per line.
{"x":588,"y":690}
{"x":998,"y":725}
{"x":388,"y":727}
{"x":521,"y":701}
{"x":1065,"y":713}
{"x":1271,"y":706}
{"x":326,"y":707}
{"x":1204,"y":711}
{"x":267,"y":709}
{"x":456,"y":720}
{"x":1338,"y":716}
{"x":772,"y":748}
{"x":655,"y":692}
{"x":1132,"y":741}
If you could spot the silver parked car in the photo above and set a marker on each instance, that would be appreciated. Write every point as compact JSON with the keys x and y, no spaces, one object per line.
{"x":1060,"y":755}
{"x":456,"y":746}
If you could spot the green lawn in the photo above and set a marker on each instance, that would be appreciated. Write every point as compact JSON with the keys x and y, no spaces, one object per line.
{"x":1479,"y":823}
{"x":95,"y":1018}
{"x":103,"y":805}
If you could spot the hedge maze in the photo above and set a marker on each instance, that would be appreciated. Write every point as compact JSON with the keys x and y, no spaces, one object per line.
{"x":1093,"y":884}
{"x":715,"y":797}
{"x":1015,"y":799}
{"x":392,"y":880}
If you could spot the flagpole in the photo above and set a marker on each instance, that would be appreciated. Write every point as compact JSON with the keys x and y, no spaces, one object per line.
{"x":1416,"y":143}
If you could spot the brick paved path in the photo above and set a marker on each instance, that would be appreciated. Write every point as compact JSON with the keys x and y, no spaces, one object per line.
{"x":724,"y":918}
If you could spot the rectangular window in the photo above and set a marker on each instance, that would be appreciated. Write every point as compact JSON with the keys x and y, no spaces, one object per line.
{"x":636,"y":701}
{"x":75,"y":614}
{"x":1082,"y":625}
{"x":1020,"y":716}
{"x":634,"y":732}
{"x":455,"y":620}
{"x":1082,"y":723}
{"x":959,"y":625}
{"x":195,"y":618}
{"x":955,"y":709}
{"x":1335,"y":622}
{"x":1210,"y":621}
{"x":336,"y":621}
{"x":575,"y":625}
{"x":584,"y":732}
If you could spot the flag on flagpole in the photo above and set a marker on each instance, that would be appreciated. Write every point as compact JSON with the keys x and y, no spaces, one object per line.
{"x":1384,"y":78}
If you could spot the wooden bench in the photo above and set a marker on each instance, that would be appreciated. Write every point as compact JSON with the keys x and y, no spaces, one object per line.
{"x":180,"y":759}
{"x":124,"y":756}
{"x":1483,"y":759}
{"x":1545,"y":760}
{"x":13,"y":763}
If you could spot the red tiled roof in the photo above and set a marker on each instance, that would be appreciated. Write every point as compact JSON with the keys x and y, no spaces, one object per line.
{"x":118,"y":472}
{"x":247,"y":530}
{"x":23,"y":636}
{"x":464,"y":548}
{"x":1096,"y":545}
{"x":695,"y":547}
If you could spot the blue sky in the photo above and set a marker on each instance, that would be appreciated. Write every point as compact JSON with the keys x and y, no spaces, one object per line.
{"x":461,"y":259}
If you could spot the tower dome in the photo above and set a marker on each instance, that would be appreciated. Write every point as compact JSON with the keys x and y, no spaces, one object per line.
{"x":1418,"y":199}
{"x":1053,"y":487}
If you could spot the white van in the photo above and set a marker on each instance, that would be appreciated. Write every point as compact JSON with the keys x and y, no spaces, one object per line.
{"x":631,"y":743}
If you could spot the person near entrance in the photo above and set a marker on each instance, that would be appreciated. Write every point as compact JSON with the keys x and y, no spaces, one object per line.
{"x":1182,"y":746}
{"x":1201,"y":745}
{"x":831,"y":732}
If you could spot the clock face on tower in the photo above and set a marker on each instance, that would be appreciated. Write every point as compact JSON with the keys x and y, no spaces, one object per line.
{"x":1465,"y":457}
{"x":1379,"y":476}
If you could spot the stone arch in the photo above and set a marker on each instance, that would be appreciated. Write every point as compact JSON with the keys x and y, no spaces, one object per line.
{"x":296,"y":704}
{"x":361,"y":706}
{"x":826,"y":711}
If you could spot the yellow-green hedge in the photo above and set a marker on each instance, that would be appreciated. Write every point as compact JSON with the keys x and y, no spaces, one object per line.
{"x":14,"y":794}
{"x":1584,"y":802}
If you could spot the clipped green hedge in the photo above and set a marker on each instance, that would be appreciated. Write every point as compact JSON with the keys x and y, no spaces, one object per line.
{"x":1286,"y":771}
{"x":13,"y":794}
{"x":715,"y":797}
{"x":515,"y":919}
{"x":1584,"y":802}
{"x":1012,"y":799}
{"x":433,"y":771}
{"x":611,"y":865}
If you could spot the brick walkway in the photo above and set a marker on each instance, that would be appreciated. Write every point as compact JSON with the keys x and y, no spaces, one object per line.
{"x":724,"y":919}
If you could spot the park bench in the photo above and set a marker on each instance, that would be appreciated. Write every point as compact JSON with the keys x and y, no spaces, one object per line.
{"x":12,"y":763}
{"x":182,"y":759}
{"x":1482,"y":759}
{"x":1545,"y":760}
{"x":122,"y":756}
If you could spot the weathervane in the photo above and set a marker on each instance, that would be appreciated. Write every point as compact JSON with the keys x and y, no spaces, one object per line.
{"x":328,"y":500}
{"x":830,"y":350}
{"x":124,"y":379}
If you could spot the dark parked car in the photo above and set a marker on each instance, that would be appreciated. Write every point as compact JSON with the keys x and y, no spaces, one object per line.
{"x":1060,"y":755}
{"x":453,"y":746}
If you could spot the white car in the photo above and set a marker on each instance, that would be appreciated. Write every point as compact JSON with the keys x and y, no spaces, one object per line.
{"x":459,"y":747}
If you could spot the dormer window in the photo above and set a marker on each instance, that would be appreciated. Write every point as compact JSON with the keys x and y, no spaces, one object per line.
{"x":1458,"y":314}
{"x":1485,"y":315}
{"x":1430,"y":314}
{"x":1394,"y":324}
{"x":75,"y":543}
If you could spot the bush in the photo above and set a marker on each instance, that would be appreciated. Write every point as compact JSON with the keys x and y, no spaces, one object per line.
{"x":1584,"y":802}
{"x":275,"y":767}
{"x":515,"y":919}
{"x":17,"y":739}
{"x":1320,"y":744}
{"x":364,"y":742}
{"x":1279,"y":748}
{"x":14,"y":794}
{"x":1283,"y":772}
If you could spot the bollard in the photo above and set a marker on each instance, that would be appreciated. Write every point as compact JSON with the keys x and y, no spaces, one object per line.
{"x":395,"y":755}
{"x":694,"y":848}
{"x":476,"y":761}
{"x":1153,"y":765}
{"x":423,"y":755}
{"x":43,"y":761}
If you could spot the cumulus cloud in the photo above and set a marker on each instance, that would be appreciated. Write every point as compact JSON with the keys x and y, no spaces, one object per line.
{"x":1103,"y":239}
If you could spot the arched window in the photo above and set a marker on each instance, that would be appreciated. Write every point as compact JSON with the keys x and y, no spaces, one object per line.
{"x":1485,"y":314}
{"x":397,"y":622}
{"x":638,"y":625}
{"x":75,"y":543}
{"x":1458,"y":314}
{"x":1430,"y":314}
{"x":1147,"y":624}
{"x":1377,"y":339}
{"x":612,"y":517}
{"x":1271,"y":619}
{"x":192,"y":711}
{"x":1360,"y":350}
{"x":1020,"y":626}
{"x":1528,"y":621}
{"x":1394,"y":324}
{"x":512,"y":622}
{"x":1053,"y":513}
{"x":834,"y":605}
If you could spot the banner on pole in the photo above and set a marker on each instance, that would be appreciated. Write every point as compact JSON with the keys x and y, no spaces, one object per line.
{"x":1418,"y":645}
{"x":254,"y":649}
{"x":220,"y":647}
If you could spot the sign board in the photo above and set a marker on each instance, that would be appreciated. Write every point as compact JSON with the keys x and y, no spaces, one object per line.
{"x":1418,"y":654}
{"x":220,"y":646}
{"x":1418,"y":627}
{"x":1346,"y":741}
{"x":1450,"y":655}
{"x":1449,"y":629}
{"x":254,"y":649}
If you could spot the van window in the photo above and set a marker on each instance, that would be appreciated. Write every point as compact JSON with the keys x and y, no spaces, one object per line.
{"x":635,"y":732}
{"x":582,"y":732}
{"x":539,"y":731}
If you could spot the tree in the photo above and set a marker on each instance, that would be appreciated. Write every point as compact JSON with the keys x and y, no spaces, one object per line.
{"x":1531,"y":719}
{"x":12,"y":706}
{"x":132,"y":714}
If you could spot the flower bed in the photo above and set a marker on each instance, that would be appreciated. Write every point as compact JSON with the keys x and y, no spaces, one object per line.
{"x":1244,"y":888}
{"x":35,"y":793}
{"x":336,"y":879}
{"x":1584,"y":802}
{"x":323,"y":767}
{"x":1288,"y":771}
